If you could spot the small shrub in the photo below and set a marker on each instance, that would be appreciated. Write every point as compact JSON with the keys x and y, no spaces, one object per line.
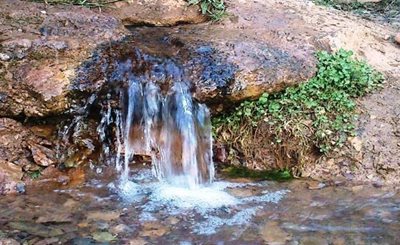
{"x":316,"y":115}
{"x":34,"y":174}
{"x":215,"y":9}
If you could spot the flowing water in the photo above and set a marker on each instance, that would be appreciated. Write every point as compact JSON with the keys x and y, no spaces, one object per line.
{"x":172,"y":128}
{"x":225,"y":212}
{"x":157,"y":117}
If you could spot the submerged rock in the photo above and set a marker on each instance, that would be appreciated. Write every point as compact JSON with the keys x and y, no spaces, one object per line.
{"x":8,"y":241}
{"x":103,"y":237}
{"x":154,"y":230}
{"x":273,"y":234}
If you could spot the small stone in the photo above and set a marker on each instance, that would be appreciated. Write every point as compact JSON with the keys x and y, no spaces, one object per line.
{"x":4,"y":57}
{"x":42,"y":155}
{"x":173,"y":220}
{"x":103,"y":237}
{"x":356,"y":143}
{"x":105,"y":216}
{"x":55,"y":217}
{"x":102,"y":226}
{"x":397,"y":38}
{"x":36,"y":229}
{"x":241,"y":192}
{"x":20,"y":187}
{"x":357,"y":188}
{"x":83,"y":224}
{"x":57,"y":45}
{"x":339,"y":241}
{"x":377,"y":184}
{"x":8,"y":241}
{"x":315,"y":240}
{"x":316,"y":185}
{"x":137,"y":241}
{"x":154,"y":229}
{"x":273,"y":234}
{"x":47,"y":241}
{"x":121,"y":228}
{"x":70,"y":203}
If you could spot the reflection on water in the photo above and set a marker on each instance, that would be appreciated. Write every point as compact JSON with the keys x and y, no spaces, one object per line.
{"x":222,"y":213}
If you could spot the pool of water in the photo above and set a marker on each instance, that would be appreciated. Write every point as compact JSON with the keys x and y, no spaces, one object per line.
{"x":145,"y":211}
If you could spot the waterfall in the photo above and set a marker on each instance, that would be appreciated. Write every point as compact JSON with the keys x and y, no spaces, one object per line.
{"x":169,"y":126}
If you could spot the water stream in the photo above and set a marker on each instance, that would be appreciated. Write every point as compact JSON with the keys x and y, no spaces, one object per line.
{"x":171,"y":128}
{"x":226,"y":212}
{"x":178,"y":199}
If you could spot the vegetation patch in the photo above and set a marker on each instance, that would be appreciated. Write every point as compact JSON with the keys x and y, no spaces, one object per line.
{"x":287,"y":129}
{"x":34,"y":174}
{"x":215,"y":9}
{"x":242,"y":172}
{"x":388,"y":9}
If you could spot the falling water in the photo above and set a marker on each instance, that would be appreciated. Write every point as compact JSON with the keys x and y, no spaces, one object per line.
{"x":170,"y":127}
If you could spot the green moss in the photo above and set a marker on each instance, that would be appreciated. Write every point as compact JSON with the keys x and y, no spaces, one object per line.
{"x":34,"y":174}
{"x":242,"y":172}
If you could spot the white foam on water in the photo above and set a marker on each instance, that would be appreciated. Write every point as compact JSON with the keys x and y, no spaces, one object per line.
{"x":212,"y":203}
{"x":212,"y":223}
{"x":129,"y":191}
{"x":201,"y":198}
{"x":271,"y":197}
{"x":146,"y":216}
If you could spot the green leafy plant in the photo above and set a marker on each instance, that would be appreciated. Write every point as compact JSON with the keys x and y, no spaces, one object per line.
{"x":316,"y":116}
{"x":215,"y":9}
{"x":34,"y":174}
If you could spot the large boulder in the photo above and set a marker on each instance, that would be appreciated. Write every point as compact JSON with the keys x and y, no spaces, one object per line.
{"x":43,"y":59}
{"x":40,"y":48}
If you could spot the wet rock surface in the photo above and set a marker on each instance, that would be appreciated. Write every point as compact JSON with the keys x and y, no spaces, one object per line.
{"x":41,"y":47}
{"x":156,"y":12}
{"x":42,"y":58}
{"x":21,"y":151}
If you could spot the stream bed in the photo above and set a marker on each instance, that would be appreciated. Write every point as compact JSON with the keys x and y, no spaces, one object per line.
{"x":146,"y":211}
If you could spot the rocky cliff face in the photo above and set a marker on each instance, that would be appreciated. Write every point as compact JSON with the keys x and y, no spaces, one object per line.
{"x":58,"y":63}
